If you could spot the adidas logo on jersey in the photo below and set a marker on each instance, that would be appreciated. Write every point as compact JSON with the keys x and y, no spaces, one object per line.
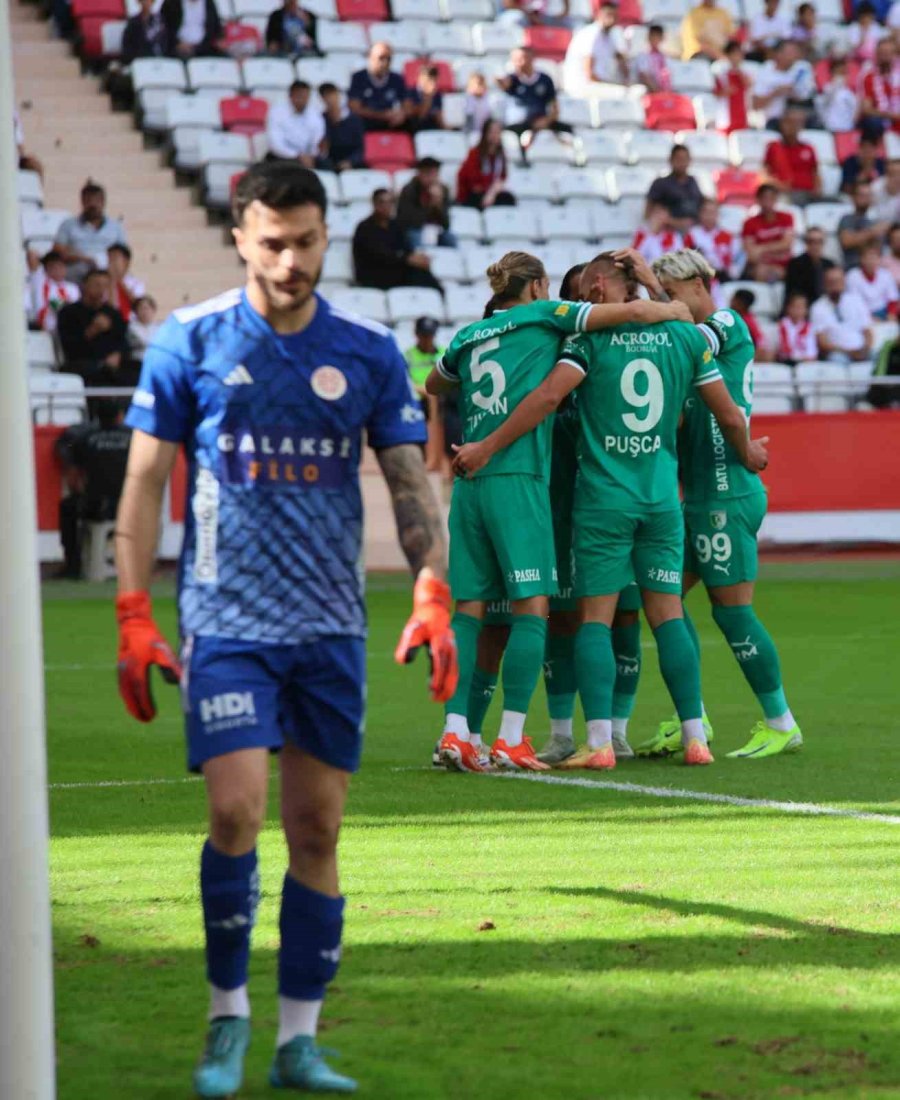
{"x":240,"y":376}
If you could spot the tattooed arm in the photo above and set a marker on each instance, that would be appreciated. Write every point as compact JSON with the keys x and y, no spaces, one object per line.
{"x":416,"y":511}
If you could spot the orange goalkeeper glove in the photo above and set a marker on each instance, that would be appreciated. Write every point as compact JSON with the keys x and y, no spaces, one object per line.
{"x":141,"y":646}
{"x":429,"y":625}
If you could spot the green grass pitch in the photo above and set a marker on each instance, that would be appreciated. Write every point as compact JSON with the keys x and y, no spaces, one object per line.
{"x":640,"y":947}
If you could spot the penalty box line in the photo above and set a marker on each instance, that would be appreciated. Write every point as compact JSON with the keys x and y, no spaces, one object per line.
{"x":809,"y":809}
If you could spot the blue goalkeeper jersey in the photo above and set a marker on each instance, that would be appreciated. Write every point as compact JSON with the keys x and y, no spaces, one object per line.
{"x":273,"y":429}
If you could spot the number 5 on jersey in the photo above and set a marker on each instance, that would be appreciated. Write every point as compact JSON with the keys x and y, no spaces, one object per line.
{"x":493,"y":402}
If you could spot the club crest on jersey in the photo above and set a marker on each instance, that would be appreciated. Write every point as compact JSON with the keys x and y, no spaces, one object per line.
{"x":718,"y":520}
{"x":328,"y":383}
{"x":724,"y":318}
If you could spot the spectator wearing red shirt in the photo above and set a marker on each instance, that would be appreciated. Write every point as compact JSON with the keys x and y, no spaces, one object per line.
{"x":657,"y":235}
{"x":481,"y":181}
{"x":796,"y":339}
{"x":742,"y":304}
{"x":713,"y":242}
{"x":732,"y":87}
{"x":881,"y":91}
{"x":791,"y":164}
{"x":768,"y":238}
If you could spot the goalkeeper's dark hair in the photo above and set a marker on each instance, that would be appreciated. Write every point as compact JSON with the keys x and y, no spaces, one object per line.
{"x":512,"y":273}
{"x":569,"y":289}
{"x":280,"y":185}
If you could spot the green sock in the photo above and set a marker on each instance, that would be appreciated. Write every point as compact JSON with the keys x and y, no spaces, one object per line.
{"x":480,"y":694}
{"x":692,"y":630}
{"x":595,"y":666}
{"x":755,"y":652}
{"x":522,"y":661}
{"x":626,"y":643}
{"x":466,"y":628}
{"x":680,"y":667}
{"x":559,"y":675}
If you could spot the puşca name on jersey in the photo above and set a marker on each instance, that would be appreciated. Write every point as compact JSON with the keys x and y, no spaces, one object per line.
{"x":273,"y":429}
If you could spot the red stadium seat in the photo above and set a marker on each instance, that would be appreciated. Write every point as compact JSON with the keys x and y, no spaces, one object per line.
{"x":90,"y":36}
{"x":736,"y":186}
{"x":822,"y":70}
{"x":665,"y":111}
{"x":630,"y":13}
{"x":108,"y":9}
{"x":243,"y":114}
{"x":241,"y":40}
{"x":446,"y":82}
{"x":363,"y":11}
{"x":548,"y":42}
{"x":391,"y":152}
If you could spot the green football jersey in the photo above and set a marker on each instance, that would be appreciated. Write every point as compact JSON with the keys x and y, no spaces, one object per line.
{"x":498,"y":362}
{"x":638,"y":377}
{"x":564,"y":448}
{"x":710,"y":467}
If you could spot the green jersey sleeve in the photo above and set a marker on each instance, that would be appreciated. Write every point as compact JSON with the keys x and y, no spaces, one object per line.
{"x":706,"y":369}
{"x":576,"y":351}
{"x":447,"y":365}
{"x":722,"y":332}
{"x":565,"y":317}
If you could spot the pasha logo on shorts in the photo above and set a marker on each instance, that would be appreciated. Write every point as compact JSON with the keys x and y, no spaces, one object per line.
{"x":328,"y":383}
{"x":664,"y":576}
{"x":520,"y":576}
{"x":227,"y":711}
{"x":718,"y":520}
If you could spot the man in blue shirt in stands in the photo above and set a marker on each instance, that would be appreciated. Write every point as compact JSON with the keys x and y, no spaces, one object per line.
{"x":532,"y":104}
{"x":270,"y":390}
{"x":378,"y":96}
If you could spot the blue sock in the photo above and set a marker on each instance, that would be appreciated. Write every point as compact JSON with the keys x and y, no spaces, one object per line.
{"x":229,"y":886}
{"x":311,"y":926}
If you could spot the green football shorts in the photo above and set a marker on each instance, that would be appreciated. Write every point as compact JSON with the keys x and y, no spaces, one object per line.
{"x":501,"y":538}
{"x":629,"y":598}
{"x":720,"y":547}
{"x":613,"y":549}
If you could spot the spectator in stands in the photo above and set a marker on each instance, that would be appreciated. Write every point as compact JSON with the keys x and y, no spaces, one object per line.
{"x":842,"y":322}
{"x":874,"y":284}
{"x":424,"y":353}
{"x":596,"y":53}
{"x":732,"y":88}
{"x":838,"y":104}
{"x":652,"y":67}
{"x":47,"y":290}
{"x":125,"y":288}
{"x":84,"y":241}
{"x":887,"y":364}
{"x":805,"y":32}
{"x":531,"y":98}
{"x":344,"y":144}
{"x":477,"y":105}
{"x":886,"y":194}
{"x":858,"y":229}
{"x":742,"y":302}
{"x":481,"y":181}
{"x":193,"y":26}
{"x":145,"y":34}
{"x":93,"y":458}
{"x":520,"y":13}
{"x":864,"y":33}
{"x":768,"y":238}
{"x":678,"y":192}
{"x":425,"y":101}
{"x":423,"y":208}
{"x":796,"y":339}
{"x":791,"y":164}
{"x":866,"y":165}
{"x":291,"y":31}
{"x":295,"y":130}
{"x":381,"y":256}
{"x":143,"y":326}
{"x":786,"y":78}
{"x":705,"y":31}
{"x":880,"y":93}
{"x":27,"y":162}
{"x":92,"y":334}
{"x":657,"y":235}
{"x":378,"y":95}
{"x":767,"y":29}
{"x":714,"y":242}
{"x":891,"y":259}
{"x":805,"y":274}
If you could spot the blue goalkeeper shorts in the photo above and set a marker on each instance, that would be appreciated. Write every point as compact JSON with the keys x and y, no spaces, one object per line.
{"x":246,"y":695}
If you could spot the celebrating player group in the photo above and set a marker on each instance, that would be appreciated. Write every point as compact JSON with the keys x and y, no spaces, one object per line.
{"x":662,"y":385}
{"x":561,"y":527}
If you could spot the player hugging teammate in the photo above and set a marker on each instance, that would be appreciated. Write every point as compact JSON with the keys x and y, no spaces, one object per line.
{"x":637,"y":378}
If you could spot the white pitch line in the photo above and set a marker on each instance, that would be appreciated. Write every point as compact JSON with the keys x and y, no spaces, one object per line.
{"x":97,"y":785}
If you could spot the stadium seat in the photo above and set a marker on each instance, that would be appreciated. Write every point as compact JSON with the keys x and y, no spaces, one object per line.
{"x":448,"y":39}
{"x":336,"y":69}
{"x":111,"y":34}
{"x":343,"y":220}
{"x":768,"y":298}
{"x":582,"y":183}
{"x":220,"y":73}
{"x":469,"y":10}
{"x":823,"y":143}
{"x":707,"y":147}
{"x":547,"y":148}
{"x":503,"y":223}
{"x":603,"y":147}
{"x":242,"y":39}
{"x":443,"y":145}
{"x":338,"y":265}
{"x":220,"y":148}
{"x":429,"y":10}
{"x":267,"y":72}
{"x":530,"y":185}
{"x":495,"y":38}
{"x":219,"y":179}
{"x":446,"y":78}
{"x":550,"y":42}
{"x":706,"y":110}
{"x":665,"y":11}
{"x":621,"y":113}
{"x":39,"y":222}
{"x":823,"y":387}
{"x":342,"y":38}
{"x":406,"y":303}
{"x":40,"y":349}
{"x":244,"y":114}
{"x":734,"y":185}
{"x":666,"y":111}
{"x":97,"y":9}
{"x":454,"y":109}
{"x":367,"y":302}
{"x":575,"y":112}
{"x":389,"y":151}
{"x":158,"y":72}
{"x":57,"y":399}
{"x":363,"y":11}
{"x":185,"y":144}
{"x":690,"y":77}
{"x":464,"y":304}
{"x":649,"y":147}
{"x":331,"y":181}
{"x":630,"y":13}
{"x":748,"y":147}
{"x":358,"y":185}
{"x":573,"y":222}
{"x":466,"y":223}
{"x":29,"y":188}
{"x":477,"y":258}
{"x":399,"y":36}
{"x":826,"y":215}
{"x":183,"y":110}
{"x":633,"y":180}
{"x":447,"y":264}
{"x":89,"y":36}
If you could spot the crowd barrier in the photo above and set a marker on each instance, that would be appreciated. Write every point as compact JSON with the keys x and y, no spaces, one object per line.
{"x":832,"y":477}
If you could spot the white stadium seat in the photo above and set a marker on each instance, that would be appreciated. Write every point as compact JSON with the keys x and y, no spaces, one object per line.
{"x":193,"y":110}
{"x":57,"y":399}
{"x":343,"y":220}
{"x":38,"y":222}
{"x":533,"y":184}
{"x":443,"y":145}
{"x":477,"y":258}
{"x":267,"y":72}
{"x":603,"y":147}
{"x":336,"y":69}
{"x":152,"y":107}
{"x":358,"y":185}
{"x":222,"y":73}
{"x":338,"y":266}
{"x":823,"y":143}
{"x":40,"y":349}
{"x":448,"y":39}
{"x":620,"y":113}
{"x":768,"y":298}
{"x":465,"y":303}
{"x":495,"y":38}
{"x":323,"y":9}
{"x":416,"y":9}
{"x":583,"y":183}
{"x":470,"y":10}
{"x":331,"y":181}
{"x":629,"y":181}
{"x":217,"y":183}
{"x":454,"y":107}
{"x":186,"y":146}
{"x":29,"y":188}
{"x":575,"y":112}
{"x":406,"y":303}
{"x":367,"y":302}
{"x":342,"y":38}
{"x":573,"y":222}
{"x":707,"y":147}
{"x":748,"y":147}
{"x":466,"y":223}
{"x":399,"y":36}
{"x":823,"y":387}
{"x":111,"y":35}
{"x":158,"y":72}
{"x":649,"y":147}
{"x":504,"y":223}
{"x":826,"y":215}
{"x":547,"y":148}
{"x":219,"y":147}
{"x":689,"y":77}
{"x":447,"y":265}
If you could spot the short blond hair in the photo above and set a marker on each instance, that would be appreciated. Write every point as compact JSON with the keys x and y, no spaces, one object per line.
{"x":684,"y":264}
